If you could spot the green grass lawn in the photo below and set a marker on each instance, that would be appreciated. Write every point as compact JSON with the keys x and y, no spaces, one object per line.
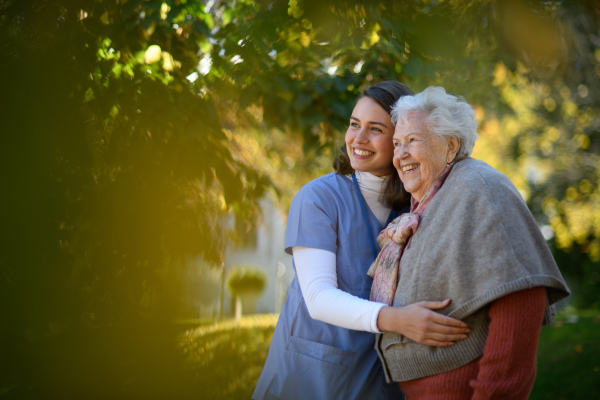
{"x":227,"y":358}
{"x":223,"y":360}
{"x":569,"y":360}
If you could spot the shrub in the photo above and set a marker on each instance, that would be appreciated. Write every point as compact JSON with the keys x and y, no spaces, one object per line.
{"x":246,"y":279}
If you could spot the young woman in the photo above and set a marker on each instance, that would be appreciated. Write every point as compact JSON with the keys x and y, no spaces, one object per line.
{"x":323,"y":344}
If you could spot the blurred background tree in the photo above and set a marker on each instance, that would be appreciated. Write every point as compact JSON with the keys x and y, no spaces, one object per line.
{"x":131,"y":129}
{"x":245,"y":282}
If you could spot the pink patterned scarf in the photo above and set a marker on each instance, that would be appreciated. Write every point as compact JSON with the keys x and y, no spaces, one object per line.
{"x":394,"y":239}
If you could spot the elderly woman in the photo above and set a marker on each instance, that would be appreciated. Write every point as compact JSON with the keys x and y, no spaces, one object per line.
{"x":469,"y":237}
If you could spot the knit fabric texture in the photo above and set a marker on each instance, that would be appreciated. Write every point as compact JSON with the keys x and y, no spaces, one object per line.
{"x":476,"y":242}
{"x":506,"y":370}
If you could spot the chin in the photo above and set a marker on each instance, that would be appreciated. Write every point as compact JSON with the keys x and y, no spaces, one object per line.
{"x":358,"y":167}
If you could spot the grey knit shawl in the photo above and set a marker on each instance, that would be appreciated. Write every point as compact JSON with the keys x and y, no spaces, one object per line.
{"x":476,"y":242}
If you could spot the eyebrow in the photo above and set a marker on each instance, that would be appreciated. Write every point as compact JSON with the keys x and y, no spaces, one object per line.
{"x":406,"y":136}
{"x":371,"y":122}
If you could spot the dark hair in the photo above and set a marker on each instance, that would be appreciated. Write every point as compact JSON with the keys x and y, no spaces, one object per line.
{"x":385,"y":94}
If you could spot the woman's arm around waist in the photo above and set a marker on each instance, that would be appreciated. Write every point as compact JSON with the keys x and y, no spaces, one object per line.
{"x":317,"y":276}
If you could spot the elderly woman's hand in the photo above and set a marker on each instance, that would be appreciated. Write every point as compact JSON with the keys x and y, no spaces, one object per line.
{"x":419,"y":323}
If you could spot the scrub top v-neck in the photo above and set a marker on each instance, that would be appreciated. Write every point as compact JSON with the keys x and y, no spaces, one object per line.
{"x":313,"y":359}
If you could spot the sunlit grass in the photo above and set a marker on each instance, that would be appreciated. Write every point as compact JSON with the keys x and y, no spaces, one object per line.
{"x":227,"y":357}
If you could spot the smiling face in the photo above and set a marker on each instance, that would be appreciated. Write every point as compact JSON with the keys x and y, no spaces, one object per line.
{"x":369,"y":138}
{"x":419,"y":155}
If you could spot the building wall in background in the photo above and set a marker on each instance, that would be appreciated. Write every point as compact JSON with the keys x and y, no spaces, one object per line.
{"x":263,"y":246}
{"x":267,"y":251}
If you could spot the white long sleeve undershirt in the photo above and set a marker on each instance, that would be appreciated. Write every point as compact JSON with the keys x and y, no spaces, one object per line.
{"x":317,"y":275}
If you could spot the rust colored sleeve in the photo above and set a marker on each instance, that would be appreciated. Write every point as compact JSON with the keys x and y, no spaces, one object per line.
{"x":508,"y":365}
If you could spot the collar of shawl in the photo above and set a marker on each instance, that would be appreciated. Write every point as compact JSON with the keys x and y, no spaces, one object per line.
{"x":395,"y":238}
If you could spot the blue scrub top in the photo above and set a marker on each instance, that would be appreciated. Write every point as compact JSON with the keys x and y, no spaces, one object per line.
{"x":310,"y":359}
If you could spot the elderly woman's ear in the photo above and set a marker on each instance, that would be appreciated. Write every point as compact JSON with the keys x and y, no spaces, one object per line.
{"x":453,"y":148}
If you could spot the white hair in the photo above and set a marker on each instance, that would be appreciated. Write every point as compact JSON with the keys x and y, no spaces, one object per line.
{"x":445,"y":115}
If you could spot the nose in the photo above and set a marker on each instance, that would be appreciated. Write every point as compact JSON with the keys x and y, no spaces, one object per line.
{"x":362,"y":136}
{"x":400,"y":153}
{"x":400,"y":150}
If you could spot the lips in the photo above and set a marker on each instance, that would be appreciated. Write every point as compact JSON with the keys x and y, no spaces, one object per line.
{"x":362,"y":153}
{"x":409,"y":167}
